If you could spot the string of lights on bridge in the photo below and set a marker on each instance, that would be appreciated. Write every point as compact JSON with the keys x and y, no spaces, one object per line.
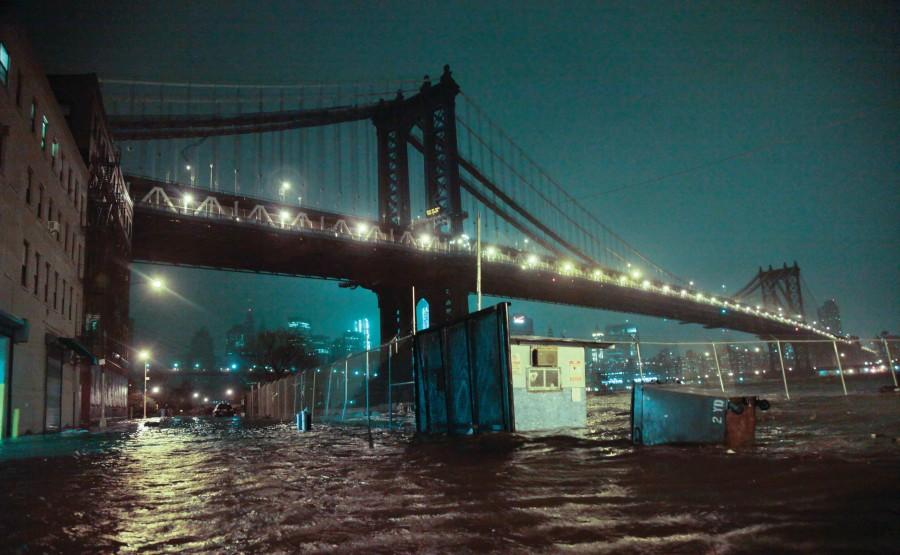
{"x":364,"y":230}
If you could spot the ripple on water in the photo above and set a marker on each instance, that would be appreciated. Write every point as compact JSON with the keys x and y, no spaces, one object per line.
{"x":815,"y":480}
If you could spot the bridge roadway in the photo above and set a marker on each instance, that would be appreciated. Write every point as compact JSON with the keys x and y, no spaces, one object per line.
{"x":179,"y":225}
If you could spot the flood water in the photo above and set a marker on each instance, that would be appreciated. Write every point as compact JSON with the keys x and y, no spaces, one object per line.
{"x":817,"y":480}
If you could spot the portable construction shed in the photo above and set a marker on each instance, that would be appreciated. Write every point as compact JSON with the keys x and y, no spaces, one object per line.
{"x":472,"y":377}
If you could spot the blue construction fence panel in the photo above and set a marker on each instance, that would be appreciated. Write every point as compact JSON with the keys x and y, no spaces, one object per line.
{"x":462,"y":375}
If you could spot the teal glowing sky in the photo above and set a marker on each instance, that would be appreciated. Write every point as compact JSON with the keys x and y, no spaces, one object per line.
{"x":714,"y":138}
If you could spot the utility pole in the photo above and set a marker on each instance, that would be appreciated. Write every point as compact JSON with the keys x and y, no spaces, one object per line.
{"x":478,"y":257}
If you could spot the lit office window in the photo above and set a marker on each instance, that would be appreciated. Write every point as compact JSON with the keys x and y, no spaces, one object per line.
{"x":45,"y":123}
{"x":4,"y":64}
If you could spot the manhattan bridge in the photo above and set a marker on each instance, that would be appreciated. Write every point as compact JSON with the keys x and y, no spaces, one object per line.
{"x":380,"y":185}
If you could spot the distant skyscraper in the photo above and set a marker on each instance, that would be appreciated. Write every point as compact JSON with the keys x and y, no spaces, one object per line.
{"x":830,"y":316}
{"x":521,"y":324}
{"x":362,"y":326}
{"x":594,"y":363}
{"x":621,"y":360}
{"x":237,"y":340}
{"x":424,"y":318}
{"x":300,"y":325}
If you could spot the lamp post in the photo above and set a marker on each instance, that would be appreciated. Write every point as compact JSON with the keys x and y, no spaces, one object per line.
{"x":145,"y":356}
{"x":285,"y":187}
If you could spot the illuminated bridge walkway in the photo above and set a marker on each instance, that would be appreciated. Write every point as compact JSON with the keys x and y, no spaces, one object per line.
{"x":315,"y":180}
{"x":176,"y":224}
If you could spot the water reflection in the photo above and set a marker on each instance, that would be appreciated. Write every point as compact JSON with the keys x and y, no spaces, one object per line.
{"x":816,"y":479}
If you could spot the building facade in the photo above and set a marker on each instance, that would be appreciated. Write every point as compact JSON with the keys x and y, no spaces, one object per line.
{"x":107,"y":259}
{"x":43,"y":198}
{"x":830,"y":317}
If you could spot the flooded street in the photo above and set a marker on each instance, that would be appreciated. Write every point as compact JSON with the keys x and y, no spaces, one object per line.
{"x":817,"y":480}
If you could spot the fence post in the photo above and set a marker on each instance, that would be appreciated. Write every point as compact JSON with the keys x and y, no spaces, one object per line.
{"x":887,"y":351}
{"x":718,"y":369}
{"x":783,"y":374}
{"x":328,"y":394}
{"x":637,"y":346}
{"x":390,"y":387}
{"x":837,"y":357}
{"x":368,"y":409}
{"x":313,"y":413}
{"x":346,"y":384}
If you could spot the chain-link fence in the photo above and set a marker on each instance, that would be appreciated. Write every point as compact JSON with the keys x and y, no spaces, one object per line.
{"x":783,"y":368}
{"x":374,"y":388}
{"x":377,"y":387}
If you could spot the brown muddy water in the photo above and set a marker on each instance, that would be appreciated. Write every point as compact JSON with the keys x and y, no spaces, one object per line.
{"x":824,"y":476}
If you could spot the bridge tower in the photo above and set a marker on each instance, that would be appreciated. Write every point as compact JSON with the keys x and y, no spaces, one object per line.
{"x":433,"y":111}
{"x":781,"y":288}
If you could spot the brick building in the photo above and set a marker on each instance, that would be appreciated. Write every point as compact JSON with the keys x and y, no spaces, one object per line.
{"x":49,"y":378}
{"x":43,"y":198}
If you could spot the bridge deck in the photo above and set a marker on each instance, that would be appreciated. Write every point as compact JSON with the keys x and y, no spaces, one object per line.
{"x":223,"y":231}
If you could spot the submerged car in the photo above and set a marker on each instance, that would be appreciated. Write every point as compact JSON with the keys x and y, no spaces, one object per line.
{"x":223,"y":409}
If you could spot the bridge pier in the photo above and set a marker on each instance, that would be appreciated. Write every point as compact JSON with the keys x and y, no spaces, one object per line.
{"x":446,"y":304}
{"x":395,"y":305}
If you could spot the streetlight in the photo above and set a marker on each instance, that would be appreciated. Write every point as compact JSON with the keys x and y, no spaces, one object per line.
{"x":155,"y":389}
{"x":145,"y":356}
{"x":157,"y":283}
{"x":229,"y":392}
{"x":196,"y":395}
{"x":285,"y":187}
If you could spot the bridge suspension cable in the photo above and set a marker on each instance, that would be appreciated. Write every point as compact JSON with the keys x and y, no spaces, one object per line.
{"x":536,"y":184}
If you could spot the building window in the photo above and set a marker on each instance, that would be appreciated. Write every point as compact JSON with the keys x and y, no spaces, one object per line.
{"x":45,"y":123}
{"x":19,"y":88}
{"x":49,"y":209}
{"x":71,"y":296}
{"x":59,"y":222}
{"x":4,"y":64}
{"x":33,"y":114}
{"x":25,"y":256}
{"x":69,"y":188}
{"x":54,"y":150}
{"x":37,"y":272}
{"x":63,"y":305}
{"x":55,"y":290}
{"x":47,"y":283}
{"x":40,"y":202}
{"x":29,"y":177}
{"x":67,"y":238}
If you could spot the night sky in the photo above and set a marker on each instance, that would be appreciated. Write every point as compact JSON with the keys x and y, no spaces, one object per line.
{"x":715,"y":138}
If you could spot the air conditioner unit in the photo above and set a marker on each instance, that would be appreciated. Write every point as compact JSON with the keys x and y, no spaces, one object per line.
{"x":53,"y":227}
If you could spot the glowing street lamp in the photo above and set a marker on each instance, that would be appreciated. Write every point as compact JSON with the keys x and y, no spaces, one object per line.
{"x":157,"y":284}
{"x":155,"y":389}
{"x":229,"y":392}
{"x":285,"y":187}
{"x":196,"y":395}
{"x":188,"y":199}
